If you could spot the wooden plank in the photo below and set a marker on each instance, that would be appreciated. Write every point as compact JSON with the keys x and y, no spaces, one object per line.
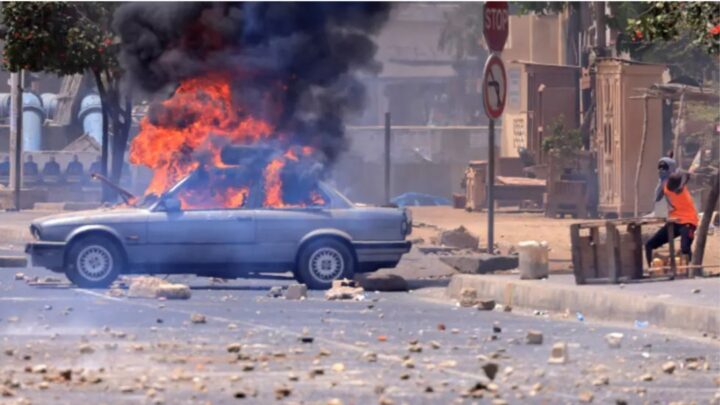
{"x":595,"y":244}
{"x":613,"y":252}
{"x":577,"y":261}
{"x":671,"y":247}
{"x":636,"y":232}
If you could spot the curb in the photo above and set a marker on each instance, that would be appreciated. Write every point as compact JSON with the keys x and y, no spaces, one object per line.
{"x":603,"y":305}
{"x":13,"y":261}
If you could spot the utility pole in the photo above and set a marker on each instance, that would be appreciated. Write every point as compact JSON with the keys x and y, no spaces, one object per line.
{"x":387,"y":157}
{"x":16,"y":136}
{"x":491,"y":188}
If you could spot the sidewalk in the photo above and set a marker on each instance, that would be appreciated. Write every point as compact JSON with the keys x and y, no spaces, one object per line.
{"x":664,"y":304}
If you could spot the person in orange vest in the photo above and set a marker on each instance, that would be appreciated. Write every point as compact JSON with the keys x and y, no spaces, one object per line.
{"x":682,"y":215}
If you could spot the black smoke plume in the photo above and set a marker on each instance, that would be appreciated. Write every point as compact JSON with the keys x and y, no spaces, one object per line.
{"x":294,"y":63}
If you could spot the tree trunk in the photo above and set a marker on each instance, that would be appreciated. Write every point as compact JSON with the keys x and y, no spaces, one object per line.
{"x":701,"y":234}
{"x":643,"y":140}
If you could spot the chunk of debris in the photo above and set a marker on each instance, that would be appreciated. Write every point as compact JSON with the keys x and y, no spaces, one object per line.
{"x":306,"y":339}
{"x":282,"y":392}
{"x":496,"y":328}
{"x":586,"y":397}
{"x":338,"y":367}
{"x":468,"y":297}
{"x":296,"y":292}
{"x":696,"y":291}
{"x":198,"y":318}
{"x":381,"y":282}
{"x":459,"y":238}
{"x":490,"y":370}
{"x":275,"y":292}
{"x":234,"y":347}
{"x":614,"y":340}
{"x":486,"y":305}
{"x":559,"y":353}
{"x":534,"y":337}
{"x":154,"y":287}
{"x":668,"y":367}
{"x":481,"y":263}
{"x":646,"y":377}
{"x":19,"y":276}
{"x":602,"y":380}
{"x":86,"y":349}
{"x":344,"y":290}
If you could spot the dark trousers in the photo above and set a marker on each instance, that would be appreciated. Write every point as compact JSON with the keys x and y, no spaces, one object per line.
{"x":686,"y":232}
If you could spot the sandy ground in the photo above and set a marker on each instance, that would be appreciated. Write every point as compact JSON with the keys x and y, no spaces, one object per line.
{"x":513,"y":227}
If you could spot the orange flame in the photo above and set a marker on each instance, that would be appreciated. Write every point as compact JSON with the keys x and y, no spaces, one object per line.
{"x":190,"y":130}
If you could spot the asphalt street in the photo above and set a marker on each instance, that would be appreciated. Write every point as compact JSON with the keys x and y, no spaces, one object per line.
{"x":391,"y":347}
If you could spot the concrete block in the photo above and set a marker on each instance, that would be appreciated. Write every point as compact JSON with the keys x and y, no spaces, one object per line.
{"x":559,"y":353}
{"x":481,"y":263}
{"x":296,"y":292}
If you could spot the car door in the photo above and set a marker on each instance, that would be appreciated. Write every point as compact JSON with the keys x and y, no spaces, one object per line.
{"x":207,"y":233}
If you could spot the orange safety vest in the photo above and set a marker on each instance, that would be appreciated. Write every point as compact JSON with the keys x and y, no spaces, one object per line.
{"x":681,"y":206}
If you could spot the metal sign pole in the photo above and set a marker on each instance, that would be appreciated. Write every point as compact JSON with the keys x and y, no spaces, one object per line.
{"x":387,"y":158}
{"x":16,"y":137}
{"x":491,"y":187}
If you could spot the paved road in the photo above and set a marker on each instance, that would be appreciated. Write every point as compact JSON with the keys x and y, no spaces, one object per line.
{"x":123,"y":350}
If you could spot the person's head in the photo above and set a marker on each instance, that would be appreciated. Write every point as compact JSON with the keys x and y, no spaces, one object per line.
{"x":52,"y":159}
{"x":675,"y":182}
{"x":75,"y":158}
{"x":666,"y":167}
{"x":29,"y":158}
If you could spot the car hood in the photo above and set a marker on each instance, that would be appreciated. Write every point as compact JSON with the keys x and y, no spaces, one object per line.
{"x":101,"y":215}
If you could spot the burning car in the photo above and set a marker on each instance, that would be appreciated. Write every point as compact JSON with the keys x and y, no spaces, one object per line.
{"x":316,"y":233}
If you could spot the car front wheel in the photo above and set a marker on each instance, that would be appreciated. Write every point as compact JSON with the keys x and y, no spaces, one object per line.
{"x":323,"y":261}
{"x":93,"y":262}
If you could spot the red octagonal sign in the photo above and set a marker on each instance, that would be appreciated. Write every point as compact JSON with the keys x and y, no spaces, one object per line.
{"x":495,"y":24}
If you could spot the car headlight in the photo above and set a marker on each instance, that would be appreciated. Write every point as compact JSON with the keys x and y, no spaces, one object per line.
{"x":35,"y":231}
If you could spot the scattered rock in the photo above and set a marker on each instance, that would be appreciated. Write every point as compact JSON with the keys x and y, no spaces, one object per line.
{"x":441,"y":327}
{"x":19,"y":276}
{"x":486,"y":305}
{"x":296,"y":292}
{"x":282,"y":392}
{"x":696,"y":291}
{"x":482,"y":263}
{"x":86,"y":349}
{"x":496,"y":328}
{"x":559,"y":353}
{"x":534,"y":337}
{"x":459,"y":238}
{"x":468,"y":297}
{"x":40,"y":369}
{"x":370,"y":357}
{"x":198,"y":318}
{"x":668,"y":367}
{"x":586,"y":397}
{"x":338,"y":367}
{"x":490,"y":370}
{"x":646,"y":377}
{"x":154,"y":287}
{"x":603,"y":380}
{"x":275,"y":292}
{"x":306,"y":339}
{"x":234,"y":347}
{"x":344,"y":290}
{"x":381,"y":282}
{"x":435,"y":344}
{"x":614,"y":340}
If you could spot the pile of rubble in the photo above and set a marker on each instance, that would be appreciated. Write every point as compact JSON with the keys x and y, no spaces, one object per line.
{"x":153,"y":287}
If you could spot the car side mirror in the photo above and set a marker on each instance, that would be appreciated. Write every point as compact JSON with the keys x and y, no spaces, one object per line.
{"x":172,"y":204}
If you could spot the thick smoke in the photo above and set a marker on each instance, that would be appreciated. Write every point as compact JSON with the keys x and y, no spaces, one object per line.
{"x":292,"y":64}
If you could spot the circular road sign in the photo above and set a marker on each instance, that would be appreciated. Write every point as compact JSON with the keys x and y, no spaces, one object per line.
{"x":494,"y":87}
{"x":495,"y":24}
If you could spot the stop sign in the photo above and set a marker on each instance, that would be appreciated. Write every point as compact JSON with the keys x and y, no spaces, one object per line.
{"x":495,"y":24}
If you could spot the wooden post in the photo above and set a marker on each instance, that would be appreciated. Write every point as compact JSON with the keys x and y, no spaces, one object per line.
{"x":612,"y":238}
{"x":676,"y":137}
{"x":577,"y":261}
{"x":643,"y":140}
{"x":701,"y":234}
{"x":671,"y":247}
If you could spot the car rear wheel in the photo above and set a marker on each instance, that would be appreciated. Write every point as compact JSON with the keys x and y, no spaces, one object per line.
{"x":93,"y":262}
{"x":323,"y":261}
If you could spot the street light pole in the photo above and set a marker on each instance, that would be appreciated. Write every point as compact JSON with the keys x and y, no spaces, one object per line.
{"x":16,"y":136}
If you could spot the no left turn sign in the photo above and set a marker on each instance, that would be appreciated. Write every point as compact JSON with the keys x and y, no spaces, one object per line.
{"x":494,"y":87}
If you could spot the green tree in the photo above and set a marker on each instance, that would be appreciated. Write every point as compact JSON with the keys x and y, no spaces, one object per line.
{"x":66,"y":38}
{"x":563,"y":141}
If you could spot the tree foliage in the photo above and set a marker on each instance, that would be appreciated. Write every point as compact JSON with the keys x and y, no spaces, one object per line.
{"x":562,"y":140}
{"x":67,"y":38}
{"x":463,"y":30}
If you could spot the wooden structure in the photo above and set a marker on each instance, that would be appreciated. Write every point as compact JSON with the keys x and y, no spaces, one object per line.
{"x":613,"y":257}
{"x":538,"y":94}
{"x":569,"y":186}
{"x":509,"y":190}
{"x":619,"y":132}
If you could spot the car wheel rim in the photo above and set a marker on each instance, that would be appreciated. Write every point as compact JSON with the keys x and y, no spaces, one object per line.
{"x":94,"y":263}
{"x":326,"y":264}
